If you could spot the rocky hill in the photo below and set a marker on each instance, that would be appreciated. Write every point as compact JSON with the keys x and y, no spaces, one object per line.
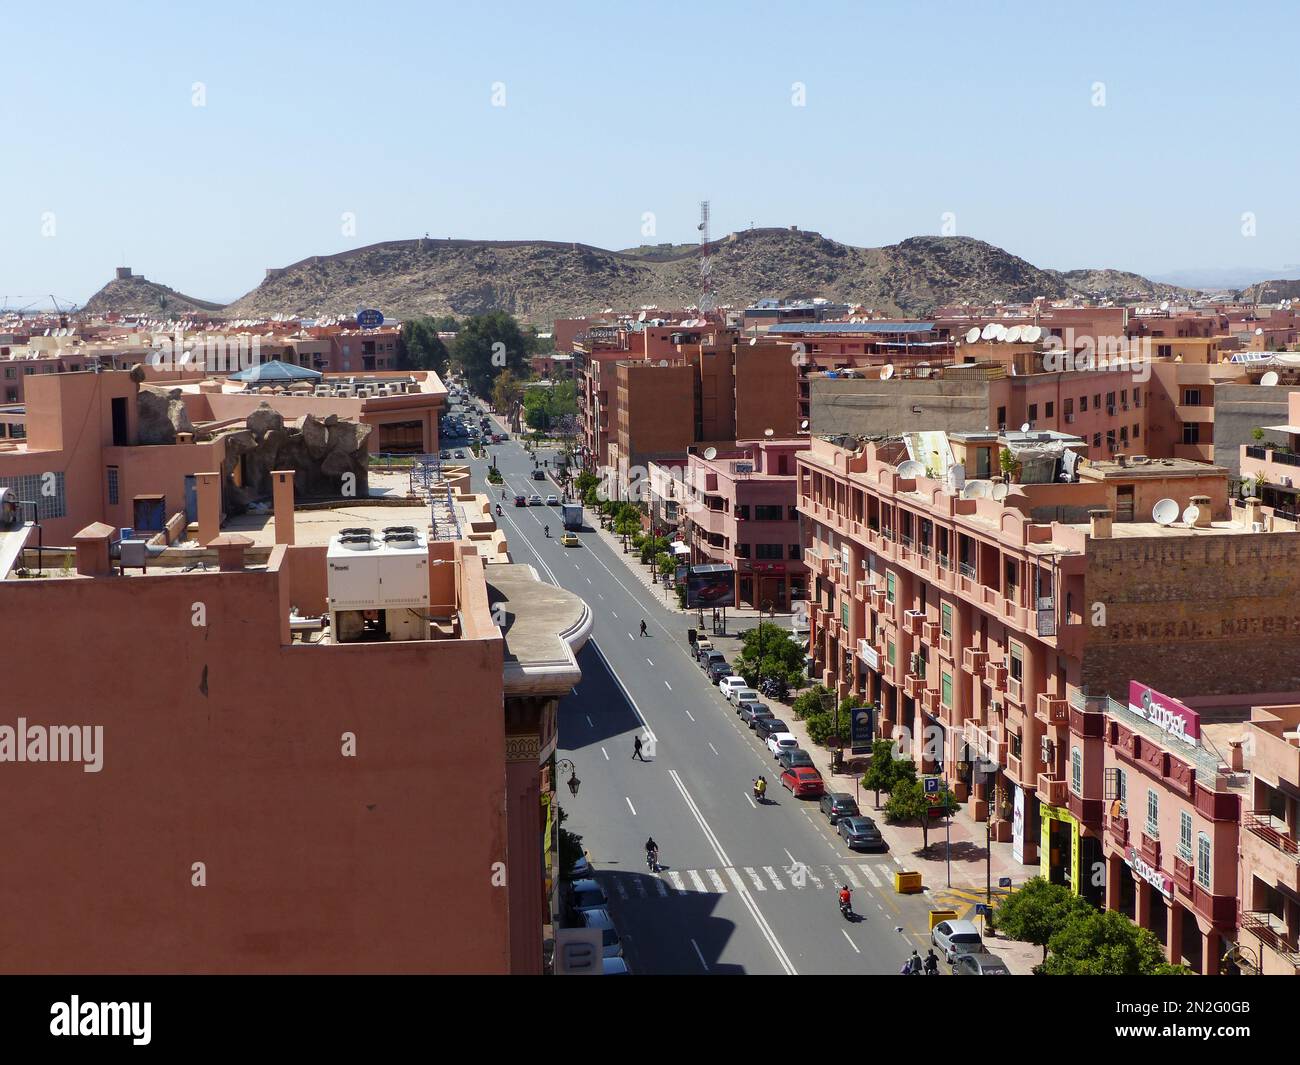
{"x":538,"y":281}
{"x":137,"y":295}
{"x":1120,"y":285}
{"x":1273,"y":291}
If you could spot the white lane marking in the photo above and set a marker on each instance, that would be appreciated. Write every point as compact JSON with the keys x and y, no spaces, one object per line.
{"x":777,"y":882}
{"x":898,"y":861}
{"x":755,"y":879}
{"x":676,"y":878}
{"x":588,"y":580}
{"x":668,"y":686}
{"x":764,"y":927}
{"x":714,"y":750}
{"x":622,"y":891}
{"x":851,"y":943}
{"x":699,"y":818}
{"x":629,"y":805}
{"x":867,"y":871}
{"x":695,"y":880}
{"x":605,"y":753}
{"x":848,"y":874}
{"x":807,"y":871}
{"x":602,"y":596}
{"x":630,"y":636}
{"x":690,"y":715}
{"x":749,"y":799}
{"x":648,"y":660}
{"x":718,"y":885}
{"x":589,"y":724}
{"x":612,"y":612}
{"x":699,"y":954}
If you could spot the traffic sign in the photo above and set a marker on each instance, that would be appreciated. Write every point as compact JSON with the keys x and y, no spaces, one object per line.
{"x":370,"y":319}
{"x":932,"y":785}
{"x":1004,"y":881}
{"x":982,"y":909}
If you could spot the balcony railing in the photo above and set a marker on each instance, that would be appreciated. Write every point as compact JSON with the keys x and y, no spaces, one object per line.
{"x":966,"y":570}
{"x":1264,"y":927}
{"x":1261,"y":825}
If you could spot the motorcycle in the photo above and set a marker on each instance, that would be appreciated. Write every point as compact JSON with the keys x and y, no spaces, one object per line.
{"x":498,"y":510}
{"x":760,"y":790}
{"x":846,"y":910}
{"x":652,"y":861}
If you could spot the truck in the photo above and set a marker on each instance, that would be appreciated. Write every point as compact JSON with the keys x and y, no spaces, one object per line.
{"x":572,"y":516}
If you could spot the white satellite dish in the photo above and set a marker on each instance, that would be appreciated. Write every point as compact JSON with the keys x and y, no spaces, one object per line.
{"x":1165,"y":512}
{"x":887,"y":371}
{"x":1024,"y":427}
{"x":804,"y":425}
{"x":753,"y":341}
{"x":1191,"y":514}
{"x":1259,"y":330}
{"x":999,"y":331}
{"x":1269,"y":379}
{"x":1013,"y":334}
{"x":1164,"y":305}
{"x":999,"y":491}
{"x":911,"y":469}
{"x":972,"y":334}
{"x":975,"y":490}
{"x":710,"y":453}
{"x":641,"y":317}
{"x":663,"y":362}
{"x":768,"y":432}
{"x":1031,"y":334}
{"x":988,"y":331}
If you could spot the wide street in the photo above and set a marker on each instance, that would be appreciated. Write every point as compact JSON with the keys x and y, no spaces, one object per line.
{"x":744,"y":889}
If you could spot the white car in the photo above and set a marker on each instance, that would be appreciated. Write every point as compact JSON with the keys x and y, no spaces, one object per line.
{"x":781,"y":741}
{"x":729,"y":684}
{"x":742,"y":695}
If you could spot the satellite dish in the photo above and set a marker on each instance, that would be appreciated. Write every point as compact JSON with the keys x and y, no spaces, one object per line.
{"x":975,"y":490}
{"x":1013,"y":369}
{"x":999,"y":331}
{"x":1165,"y":512}
{"x":753,"y":341}
{"x":710,"y":453}
{"x":911,"y":469}
{"x":641,"y":317}
{"x":1031,"y":334}
{"x":988,"y":333}
{"x":1014,"y":334}
{"x":663,"y":362}
{"x":768,"y":432}
{"x":1024,"y":427}
{"x":1269,"y":379}
{"x":1191,"y":514}
{"x":1164,"y":305}
{"x":972,"y":334}
{"x":999,"y":491}
{"x":1259,"y":330}
{"x":887,"y":371}
{"x":804,"y":424}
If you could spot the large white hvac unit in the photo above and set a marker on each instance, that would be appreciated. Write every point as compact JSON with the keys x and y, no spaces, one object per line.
{"x":373,"y":570}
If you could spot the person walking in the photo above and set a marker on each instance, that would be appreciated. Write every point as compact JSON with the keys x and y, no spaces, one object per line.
{"x":643,"y":628}
{"x":636,"y":749}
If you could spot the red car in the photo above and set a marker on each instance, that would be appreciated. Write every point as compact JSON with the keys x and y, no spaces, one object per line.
{"x":521,"y":501}
{"x":803,"y":781}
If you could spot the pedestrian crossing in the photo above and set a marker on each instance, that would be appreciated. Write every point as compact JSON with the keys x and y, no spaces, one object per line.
{"x":795,"y":877}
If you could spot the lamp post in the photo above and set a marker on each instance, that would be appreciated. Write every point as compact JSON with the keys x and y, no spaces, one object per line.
{"x":574,"y":782}
{"x":1234,"y":954}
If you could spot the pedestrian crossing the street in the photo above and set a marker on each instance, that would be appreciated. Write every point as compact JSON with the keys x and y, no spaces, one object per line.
{"x":795,"y":877}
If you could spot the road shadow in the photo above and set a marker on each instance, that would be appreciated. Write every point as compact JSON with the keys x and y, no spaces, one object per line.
{"x":598,"y":697}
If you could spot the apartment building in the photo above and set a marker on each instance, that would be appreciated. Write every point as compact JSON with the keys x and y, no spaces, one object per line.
{"x":1273,"y":465}
{"x":981,"y":620}
{"x":741,"y":513}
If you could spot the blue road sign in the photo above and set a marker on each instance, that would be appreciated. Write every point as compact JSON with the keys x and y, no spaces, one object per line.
{"x":1004,"y":881}
{"x":982,"y":909}
{"x":370,"y":319}
{"x":932,"y":785}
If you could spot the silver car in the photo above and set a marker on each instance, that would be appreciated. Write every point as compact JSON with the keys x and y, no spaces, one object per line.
{"x":957,"y":937}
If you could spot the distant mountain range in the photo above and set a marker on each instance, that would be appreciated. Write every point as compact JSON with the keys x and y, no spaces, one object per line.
{"x":538,"y":281}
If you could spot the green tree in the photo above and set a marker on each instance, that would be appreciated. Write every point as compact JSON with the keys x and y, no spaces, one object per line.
{"x":486,"y":346}
{"x":821,"y":727}
{"x":882,"y":770}
{"x":420,"y":348}
{"x":811,"y":701}
{"x":909,"y":802}
{"x":1102,"y":943}
{"x":505,"y":392}
{"x":1038,"y":909}
{"x":767,"y":650}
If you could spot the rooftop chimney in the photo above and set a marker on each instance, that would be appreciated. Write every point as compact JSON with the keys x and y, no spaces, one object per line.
{"x":1121,"y":459}
{"x":230,"y":551}
{"x":1204,"y":513}
{"x":1237,"y":755}
{"x":1101,"y":520}
{"x":1254,"y":511}
{"x":282,"y":503}
{"x":92,"y":542}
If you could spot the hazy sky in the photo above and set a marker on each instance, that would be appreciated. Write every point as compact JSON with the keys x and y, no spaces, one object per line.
{"x":1131,"y":135}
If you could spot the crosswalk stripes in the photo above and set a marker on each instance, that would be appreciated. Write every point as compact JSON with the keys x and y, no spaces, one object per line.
{"x":717,"y":881}
{"x":870,"y":875}
{"x":848,"y":875}
{"x":819,"y":878}
{"x":777,"y":882}
{"x":755,"y":879}
{"x":679,"y":884}
{"x":695,"y":879}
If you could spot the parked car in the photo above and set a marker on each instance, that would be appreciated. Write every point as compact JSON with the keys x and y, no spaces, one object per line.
{"x":837,"y":804}
{"x":742,"y":695}
{"x":520,"y":501}
{"x":803,"y":781}
{"x":981,"y":964}
{"x":699,"y":647}
{"x":769,"y":726}
{"x":752,"y":713}
{"x":587,"y":894}
{"x":460,"y":454}
{"x":444,"y":455}
{"x":717,"y":669}
{"x":793,"y":758}
{"x":953,"y":938}
{"x":781,"y":741}
{"x":731,"y":683}
{"x":609,"y":938}
{"x":860,"y":833}
{"x":615,"y":967}
{"x":709,"y":657}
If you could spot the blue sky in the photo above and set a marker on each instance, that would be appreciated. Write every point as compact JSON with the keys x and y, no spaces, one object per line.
{"x":385,"y":111}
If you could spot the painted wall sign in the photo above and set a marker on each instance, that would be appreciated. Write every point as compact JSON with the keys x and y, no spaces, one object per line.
{"x":1153,"y":876}
{"x":1169,"y":715}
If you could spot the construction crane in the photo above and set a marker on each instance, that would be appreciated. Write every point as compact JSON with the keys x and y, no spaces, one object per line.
{"x":708,"y":299}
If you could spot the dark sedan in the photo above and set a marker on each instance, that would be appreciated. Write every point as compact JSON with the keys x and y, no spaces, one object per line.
{"x":769,"y":726}
{"x":718,"y":670}
{"x":794,"y":758}
{"x":860,"y":833}
{"x":752,"y":713}
{"x":837,"y":804}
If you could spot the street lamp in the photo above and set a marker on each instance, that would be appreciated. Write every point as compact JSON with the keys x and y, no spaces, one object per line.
{"x":1236,"y":952}
{"x":574,"y":782}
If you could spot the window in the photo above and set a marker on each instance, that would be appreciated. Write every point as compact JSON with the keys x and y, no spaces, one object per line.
{"x":945,"y":689}
{"x":1137,"y":397}
{"x":1203,"y":860}
{"x":891,"y":587}
{"x":795,"y":553}
{"x":1191,"y":398}
{"x":844,"y":615}
{"x":792,"y":514}
{"x":1191,"y":433}
{"x":1164,"y":351}
{"x":112,"y":486}
{"x":1049,"y":410}
{"x":768,"y":513}
{"x":1017,"y":671}
{"x":742,"y":550}
{"x":1153,"y":814}
{"x":1033,"y":412}
{"x":768,"y":551}
{"x":1096,"y":400}
{"x":1185,"y":836}
{"x":890,"y":652}
{"x":1136,"y":430}
{"x":1069,"y":407}
{"x":742,"y":511}
{"x":1121,"y":787}
{"x":1110,"y":399}
{"x":1083,"y":404}
{"x":1002,"y":416}
{"x":1076,"y":770}
{"x":945,"y":619}
{"x":1096,"y":439}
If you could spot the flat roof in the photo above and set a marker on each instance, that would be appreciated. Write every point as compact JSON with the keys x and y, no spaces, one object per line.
{"x":853,"y":327}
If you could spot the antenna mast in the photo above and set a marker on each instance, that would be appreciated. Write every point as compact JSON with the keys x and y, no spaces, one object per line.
{"x":708,"y":299}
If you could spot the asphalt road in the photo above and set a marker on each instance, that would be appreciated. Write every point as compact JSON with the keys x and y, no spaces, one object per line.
{"x":743,"y":889}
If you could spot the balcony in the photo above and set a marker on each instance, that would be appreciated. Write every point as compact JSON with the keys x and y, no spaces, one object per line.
{"x":945,"y":645}
{"x":879,"y":600}
{"x":930,"y":632}
{"x":1015,"y":690}
{"x":1118,"y":828}
{"x":1271,"y":931}
{"x":1265,"y":827}
{"x":1014,"y":769}
{"x":996,"y":677}
{"x":930,"y":701}
{"x":1052,"y":711}
{"x":912,"y":621}
{"x":1052,"y":789}
{"x":1149,"y":846}
{"x":973,"y":660}
{"x":913,"y":687}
